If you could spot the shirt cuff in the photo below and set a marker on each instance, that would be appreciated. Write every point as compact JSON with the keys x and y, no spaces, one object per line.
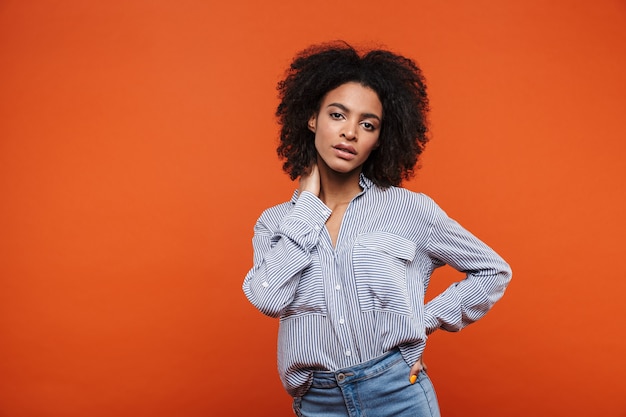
{"x":306,"y":221}
{"x":430,"y":323}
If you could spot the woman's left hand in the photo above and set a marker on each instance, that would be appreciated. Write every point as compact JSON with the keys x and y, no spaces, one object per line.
{"x":416,"y":369}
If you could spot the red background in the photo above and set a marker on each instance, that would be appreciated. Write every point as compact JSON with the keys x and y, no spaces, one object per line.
{"x":137,"y":150}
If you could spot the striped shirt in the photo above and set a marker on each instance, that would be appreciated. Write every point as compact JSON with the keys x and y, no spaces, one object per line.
{"x":343,"y":305}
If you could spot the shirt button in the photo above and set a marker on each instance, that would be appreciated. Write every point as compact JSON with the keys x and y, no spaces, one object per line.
{"x":348,"y":353}
{"x":317,"y":228}
{"x":337,"y":287}
{"x":265,"y":284}
{"x":342,"y":321}
{"x":326,"y":212}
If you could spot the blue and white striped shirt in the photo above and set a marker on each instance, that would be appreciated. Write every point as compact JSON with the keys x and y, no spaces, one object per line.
{"x":343,"y":305}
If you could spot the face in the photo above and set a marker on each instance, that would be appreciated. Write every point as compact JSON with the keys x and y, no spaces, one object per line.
{"x":347,"y":127}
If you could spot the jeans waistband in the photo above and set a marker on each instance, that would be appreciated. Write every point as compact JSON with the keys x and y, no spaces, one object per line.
{"x":365,"y":370}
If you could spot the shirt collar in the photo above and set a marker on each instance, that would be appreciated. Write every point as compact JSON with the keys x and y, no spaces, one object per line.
{"x":364,"y":182}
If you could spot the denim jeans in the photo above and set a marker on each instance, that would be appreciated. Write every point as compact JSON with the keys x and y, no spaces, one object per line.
{"x":377,"y":388}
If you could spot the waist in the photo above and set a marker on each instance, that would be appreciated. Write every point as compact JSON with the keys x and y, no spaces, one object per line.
{"x":364,"y":370}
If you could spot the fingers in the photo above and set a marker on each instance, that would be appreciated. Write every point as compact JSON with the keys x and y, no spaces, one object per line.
{"x":311,"y":181}
{"x":415,"y":370}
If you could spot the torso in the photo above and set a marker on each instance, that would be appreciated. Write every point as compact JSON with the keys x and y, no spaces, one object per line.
{"x":333,"y":224}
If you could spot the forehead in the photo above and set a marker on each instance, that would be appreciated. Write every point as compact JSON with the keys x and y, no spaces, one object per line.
{"x":355,"y":97}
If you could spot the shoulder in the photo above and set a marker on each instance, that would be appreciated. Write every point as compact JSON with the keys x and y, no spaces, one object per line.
{"x":402,"y":208}
{"x":274,"y":214}
{"x":403,"y":197}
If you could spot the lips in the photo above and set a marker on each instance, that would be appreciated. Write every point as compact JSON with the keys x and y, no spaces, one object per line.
{"x":345,"y":148}
{"x":345,"y":152}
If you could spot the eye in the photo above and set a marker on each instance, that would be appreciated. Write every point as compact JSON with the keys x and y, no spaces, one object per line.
{"x":336,"y":115}
{"x":368,"y":126}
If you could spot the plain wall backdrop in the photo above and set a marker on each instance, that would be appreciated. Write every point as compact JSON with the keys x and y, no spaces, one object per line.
{"x":137,"y":149}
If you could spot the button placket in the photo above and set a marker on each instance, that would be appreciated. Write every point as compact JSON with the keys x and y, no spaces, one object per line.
{"x":339,"y":307}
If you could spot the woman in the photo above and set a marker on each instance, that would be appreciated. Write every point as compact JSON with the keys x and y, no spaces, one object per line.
{"x":345,"y":264}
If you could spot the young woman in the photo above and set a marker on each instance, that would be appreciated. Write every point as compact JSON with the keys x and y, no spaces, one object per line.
{"x":346,"y":262}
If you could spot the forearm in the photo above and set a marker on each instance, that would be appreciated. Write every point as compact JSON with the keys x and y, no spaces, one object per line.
{"x":466,"y":301}
{"x":486,"y":277}
{"x":281,"y":255}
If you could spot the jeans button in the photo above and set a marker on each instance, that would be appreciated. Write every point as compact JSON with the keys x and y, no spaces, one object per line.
{"x":341,"y":377}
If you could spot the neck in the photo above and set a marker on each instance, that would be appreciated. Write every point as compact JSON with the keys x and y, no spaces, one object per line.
{"x":338,"y":189}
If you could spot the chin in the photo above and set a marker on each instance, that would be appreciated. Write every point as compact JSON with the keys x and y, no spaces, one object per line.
{"x":344,"y":170}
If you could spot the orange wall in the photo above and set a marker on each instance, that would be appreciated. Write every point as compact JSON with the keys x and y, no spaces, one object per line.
{"x":137,"y":149}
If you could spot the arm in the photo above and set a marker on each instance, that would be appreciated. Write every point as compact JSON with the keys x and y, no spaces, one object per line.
{"x":279,"y":257}
{"x":487,"y":276}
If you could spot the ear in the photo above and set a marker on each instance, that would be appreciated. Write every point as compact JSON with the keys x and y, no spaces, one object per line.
{"x":312,"y":123}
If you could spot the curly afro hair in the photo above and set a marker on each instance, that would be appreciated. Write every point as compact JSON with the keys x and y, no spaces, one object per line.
{"x":401,"y":89}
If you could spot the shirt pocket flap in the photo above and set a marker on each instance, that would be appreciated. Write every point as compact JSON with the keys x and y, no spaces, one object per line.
{"x":388,"y":243}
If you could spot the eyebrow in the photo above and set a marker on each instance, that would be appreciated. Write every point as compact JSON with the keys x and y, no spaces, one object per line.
{"x":347,"y":110}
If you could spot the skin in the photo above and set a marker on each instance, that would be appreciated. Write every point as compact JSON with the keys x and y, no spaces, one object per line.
{"x":346,"y":126}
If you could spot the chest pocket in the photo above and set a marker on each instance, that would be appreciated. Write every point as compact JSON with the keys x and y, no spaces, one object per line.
{"x":380,"y":267}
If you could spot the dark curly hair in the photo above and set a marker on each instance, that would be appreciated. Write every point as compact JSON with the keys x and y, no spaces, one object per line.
{"x":401,"y":89}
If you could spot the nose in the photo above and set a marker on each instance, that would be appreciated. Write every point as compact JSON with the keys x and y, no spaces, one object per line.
{"x":349,"y":131}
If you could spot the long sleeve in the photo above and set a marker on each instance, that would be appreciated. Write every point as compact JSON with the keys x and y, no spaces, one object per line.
{"x":282,"y":249}
{"x":487,"y":276}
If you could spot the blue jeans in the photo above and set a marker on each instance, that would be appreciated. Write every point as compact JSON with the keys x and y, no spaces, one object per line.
{"x":377,"y":388}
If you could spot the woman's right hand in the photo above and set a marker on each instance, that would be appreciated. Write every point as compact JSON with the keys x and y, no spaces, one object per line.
{"x":310,"y":181}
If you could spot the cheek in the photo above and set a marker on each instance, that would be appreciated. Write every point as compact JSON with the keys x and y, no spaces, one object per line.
{"x":318,"y":142}
{"x":376,"y":142}
{"x":321,"y":136}
{"x":316,"y":139}
{"x":373,"y":144}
